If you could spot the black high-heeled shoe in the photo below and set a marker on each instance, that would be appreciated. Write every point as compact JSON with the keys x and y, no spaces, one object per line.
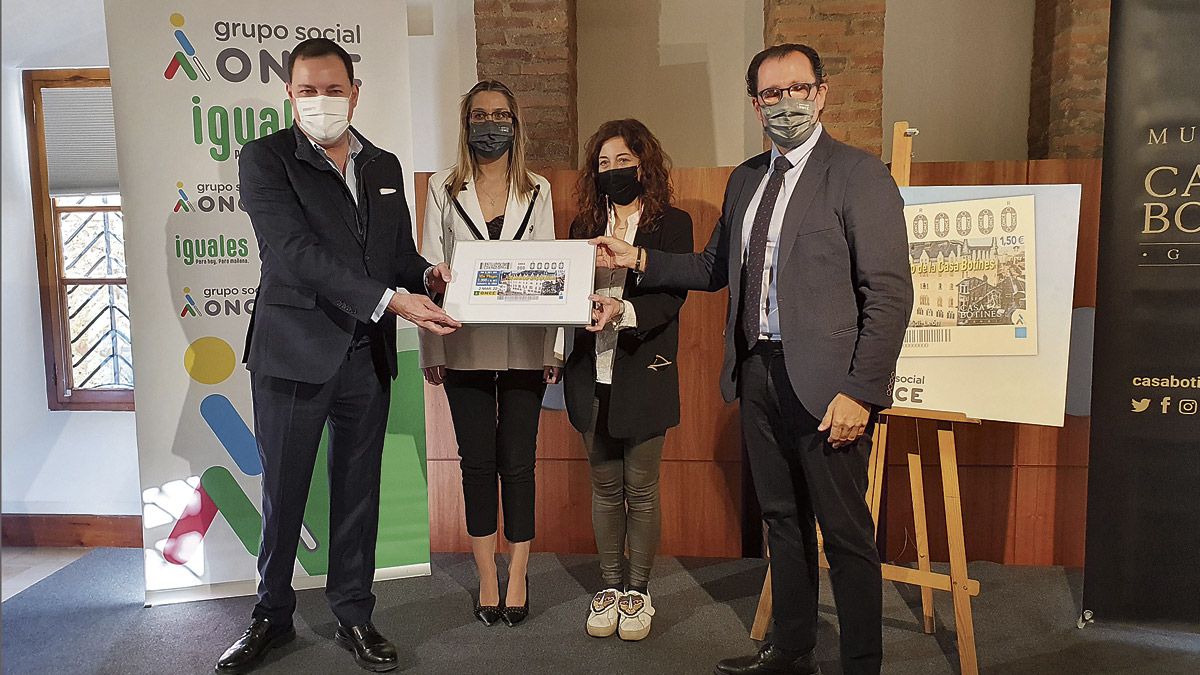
{"x":488,"y":614}
{"x":515,"y":615}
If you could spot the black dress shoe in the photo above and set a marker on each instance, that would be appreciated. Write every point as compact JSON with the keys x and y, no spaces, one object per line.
{"x":371,"y":650}
{"x":262,"y":636}
{"x":515,"y":615}
{"x":771,"y":660}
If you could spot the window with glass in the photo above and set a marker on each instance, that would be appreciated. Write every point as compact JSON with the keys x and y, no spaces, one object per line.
{"x":80,"y":239}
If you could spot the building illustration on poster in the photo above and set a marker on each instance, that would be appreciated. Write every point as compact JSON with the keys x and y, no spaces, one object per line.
{"x":520,"y":281}
{"x":974,"y":282}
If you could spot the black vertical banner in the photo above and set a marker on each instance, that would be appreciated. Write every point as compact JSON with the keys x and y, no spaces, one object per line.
{"x":1143,"y":517}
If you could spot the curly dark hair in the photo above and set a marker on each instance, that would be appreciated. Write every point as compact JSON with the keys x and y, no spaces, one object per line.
{"x":657,"y":193}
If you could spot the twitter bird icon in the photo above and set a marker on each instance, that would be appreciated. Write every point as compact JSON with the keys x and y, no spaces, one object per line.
{"x":1139,"y":405}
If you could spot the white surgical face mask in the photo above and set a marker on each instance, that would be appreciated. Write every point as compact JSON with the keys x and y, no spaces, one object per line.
{"x":323,"y":118}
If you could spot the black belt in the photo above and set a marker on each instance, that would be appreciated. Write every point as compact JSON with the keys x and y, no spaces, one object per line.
{"x":766,"y":346}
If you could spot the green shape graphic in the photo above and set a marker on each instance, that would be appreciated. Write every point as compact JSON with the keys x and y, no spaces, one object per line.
{"x":316,"y":514}
{"x":187,"y":67}
{"x":234,"y":505}
{"x":404,"y":486}
{"x":403,"y":493}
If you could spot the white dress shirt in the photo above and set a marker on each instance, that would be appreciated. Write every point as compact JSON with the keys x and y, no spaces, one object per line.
{"x":768,"y":313}
{"x":611,"y":283}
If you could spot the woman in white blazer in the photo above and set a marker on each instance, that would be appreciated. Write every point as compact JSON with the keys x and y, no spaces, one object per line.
{"x":496,"y":373}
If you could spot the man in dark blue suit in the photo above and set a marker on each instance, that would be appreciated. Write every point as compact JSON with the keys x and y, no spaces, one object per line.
{"x":338,"y":266}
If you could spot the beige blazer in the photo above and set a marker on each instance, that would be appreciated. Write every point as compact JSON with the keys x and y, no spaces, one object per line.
{"x":484,"y":347}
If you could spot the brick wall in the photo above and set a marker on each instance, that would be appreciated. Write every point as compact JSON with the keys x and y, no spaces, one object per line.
{"x":848,"y":34}
{"x":1070,"y":62}
{"x":530,"y":46}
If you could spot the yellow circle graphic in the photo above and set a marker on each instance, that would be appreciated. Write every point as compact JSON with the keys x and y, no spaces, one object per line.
{"x":179,"y":184}
{"x":177,"y":20}
{"x":209,"y":360}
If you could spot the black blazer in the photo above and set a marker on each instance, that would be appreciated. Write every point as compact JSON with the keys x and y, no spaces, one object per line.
{"x":844,"y":285}
{"x":645,"y":387}
{"x":319,"y":277}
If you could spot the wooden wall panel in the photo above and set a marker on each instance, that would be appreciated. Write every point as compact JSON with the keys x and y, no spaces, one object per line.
{"x":1023,"y":487}
{"x":564,"y":507}
{"x":709,"y":428}
{"x":701,"y":511}
{"x":1086,"y":172}
{"x":447,"y":519}
{"x":1011,"y":172}
{"x":988,"y":497}
{"x":701,"y":508}
{"x":1051,"y":509}
{"x":71,"y":531}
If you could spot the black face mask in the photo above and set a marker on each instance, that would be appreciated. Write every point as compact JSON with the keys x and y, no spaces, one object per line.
{"x":621,"y":185}
{"x":490,"y":139}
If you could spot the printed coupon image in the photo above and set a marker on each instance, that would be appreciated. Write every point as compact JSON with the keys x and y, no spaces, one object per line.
{"x":519,"y":282}
{"x":973,"y":277}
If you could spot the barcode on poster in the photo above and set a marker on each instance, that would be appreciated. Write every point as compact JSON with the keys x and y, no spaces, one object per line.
{"x":925,"y":335}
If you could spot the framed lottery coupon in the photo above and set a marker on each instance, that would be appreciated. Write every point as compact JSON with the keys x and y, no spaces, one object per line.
{"x":540,"y":283}
{"x":975,"y":278}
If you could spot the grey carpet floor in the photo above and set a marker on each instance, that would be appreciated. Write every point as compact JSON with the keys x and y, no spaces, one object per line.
{"x":88,"y":618}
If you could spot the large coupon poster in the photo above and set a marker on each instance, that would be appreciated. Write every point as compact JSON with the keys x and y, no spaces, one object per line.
{"x":993,"y":280}
{"x":194,"y":81}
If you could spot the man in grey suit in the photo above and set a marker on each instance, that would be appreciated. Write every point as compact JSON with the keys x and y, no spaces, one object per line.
{"x":811,"y":243}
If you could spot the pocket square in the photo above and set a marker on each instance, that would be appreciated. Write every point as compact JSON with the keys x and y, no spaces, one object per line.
{"x":386,"y":191}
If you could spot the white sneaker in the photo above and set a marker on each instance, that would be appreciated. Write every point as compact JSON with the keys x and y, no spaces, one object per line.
{"x":602,"y":616}
{"x":635,"y":610}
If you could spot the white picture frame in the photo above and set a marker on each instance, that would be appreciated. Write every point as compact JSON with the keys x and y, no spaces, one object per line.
{"x":523,"y":283}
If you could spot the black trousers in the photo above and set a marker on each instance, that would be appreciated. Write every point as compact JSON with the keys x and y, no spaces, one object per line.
{"x":289,"y":417}
{"x":797,"y":476}
{"x":495,"y":415}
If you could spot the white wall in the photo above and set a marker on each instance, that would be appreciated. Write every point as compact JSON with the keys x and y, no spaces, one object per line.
{"x":958,"y":70}
{"x":677,"y":65}
{"x":86,"y":462}
{"x":442,"y":69}
{"x":53,"y":462}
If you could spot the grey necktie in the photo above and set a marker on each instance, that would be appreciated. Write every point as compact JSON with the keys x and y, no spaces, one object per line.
{"x":756,"y":252}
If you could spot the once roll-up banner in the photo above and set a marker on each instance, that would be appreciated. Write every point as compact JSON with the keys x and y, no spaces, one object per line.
{"x":193,"y":81}
{"x":1143,"y":518}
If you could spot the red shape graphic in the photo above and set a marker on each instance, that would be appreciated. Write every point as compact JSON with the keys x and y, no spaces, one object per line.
{"x":190,"y":528}
{"x":172,"y":68}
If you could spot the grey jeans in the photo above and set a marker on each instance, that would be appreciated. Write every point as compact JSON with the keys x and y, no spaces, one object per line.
{"x":625,"y":497}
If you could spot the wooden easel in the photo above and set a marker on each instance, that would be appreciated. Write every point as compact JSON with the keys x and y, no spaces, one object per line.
{"x":932,"y":426}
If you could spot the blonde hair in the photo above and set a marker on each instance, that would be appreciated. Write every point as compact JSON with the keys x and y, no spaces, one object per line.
{"x":520,"y":181}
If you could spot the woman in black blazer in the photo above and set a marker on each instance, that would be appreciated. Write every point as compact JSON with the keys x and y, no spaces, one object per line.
{"x":622,"y":382}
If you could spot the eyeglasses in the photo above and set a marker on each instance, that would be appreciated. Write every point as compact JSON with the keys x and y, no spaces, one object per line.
{"x":495,"y":116}
{"x":773,"y":95}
